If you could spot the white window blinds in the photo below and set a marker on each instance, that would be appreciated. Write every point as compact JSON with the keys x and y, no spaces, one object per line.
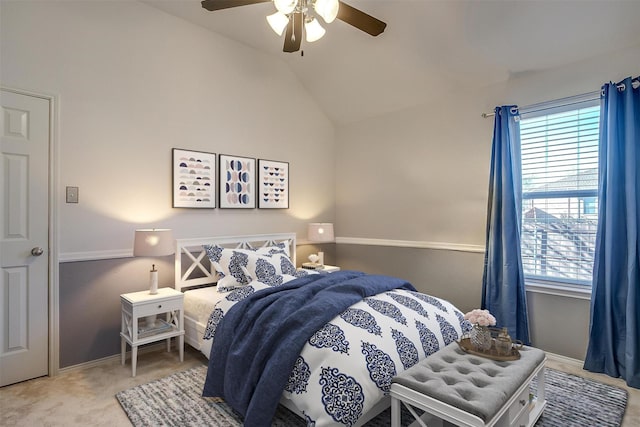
{"x":560,"y":192}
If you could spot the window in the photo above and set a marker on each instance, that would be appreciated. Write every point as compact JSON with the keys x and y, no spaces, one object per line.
{"x":560,"y":192}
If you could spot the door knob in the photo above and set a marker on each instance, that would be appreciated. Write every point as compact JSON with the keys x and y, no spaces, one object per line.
{"x":37,"y":251}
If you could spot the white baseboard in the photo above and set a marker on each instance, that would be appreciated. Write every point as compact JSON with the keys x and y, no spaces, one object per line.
{"x":110,"y":359}
{"x":564,"y":359}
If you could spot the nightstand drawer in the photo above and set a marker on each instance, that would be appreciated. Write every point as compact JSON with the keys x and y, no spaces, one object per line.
{"x":157,"y":307}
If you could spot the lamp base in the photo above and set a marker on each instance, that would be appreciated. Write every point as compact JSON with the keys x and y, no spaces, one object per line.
{"x":153,"y":282}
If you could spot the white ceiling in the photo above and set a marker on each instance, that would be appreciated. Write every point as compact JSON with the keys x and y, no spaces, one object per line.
{"x":428,"y":45}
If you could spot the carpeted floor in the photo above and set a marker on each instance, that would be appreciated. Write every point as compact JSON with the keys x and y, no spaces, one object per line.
{"x":85,"y":396}
{"x":176,"y":400}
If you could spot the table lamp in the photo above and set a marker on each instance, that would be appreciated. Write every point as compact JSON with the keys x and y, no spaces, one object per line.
{"x":154,"y":242}
{"x":320,"y":232}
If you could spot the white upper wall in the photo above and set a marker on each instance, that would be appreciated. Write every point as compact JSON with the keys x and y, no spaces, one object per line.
{"x":132,"y":83}
{"x":422,"y":174}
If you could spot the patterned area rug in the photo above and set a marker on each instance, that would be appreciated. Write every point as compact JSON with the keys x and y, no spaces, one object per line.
{"x":176,"y":400}
{"x":573,"y":401}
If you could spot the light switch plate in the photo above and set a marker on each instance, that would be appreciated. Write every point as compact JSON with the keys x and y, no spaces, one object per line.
{"x":72,"y":194}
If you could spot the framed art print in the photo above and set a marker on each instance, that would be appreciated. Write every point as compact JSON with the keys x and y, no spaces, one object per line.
{"x":273,"y":184}
{"x":194,"y":179}
{"x":237,"y":180}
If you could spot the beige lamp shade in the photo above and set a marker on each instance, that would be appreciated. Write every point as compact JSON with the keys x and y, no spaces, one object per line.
{"x":153,"y":242}
{"x":320,"y":232}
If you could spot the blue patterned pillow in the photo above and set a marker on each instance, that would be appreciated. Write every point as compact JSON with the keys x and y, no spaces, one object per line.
{"x":245,"y":265}
{"x":227,"y":284}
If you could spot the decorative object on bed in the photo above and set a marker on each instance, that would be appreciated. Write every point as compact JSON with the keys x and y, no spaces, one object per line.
{"x":480,"y":335}
{"x":155,"y":242}
{"x":194,"y":179}
{"x":572,"y":401}
{"x":273,"y":184}
{"x":237,"y":179}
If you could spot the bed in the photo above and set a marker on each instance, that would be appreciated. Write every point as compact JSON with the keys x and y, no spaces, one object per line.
{"x":329,"y":368}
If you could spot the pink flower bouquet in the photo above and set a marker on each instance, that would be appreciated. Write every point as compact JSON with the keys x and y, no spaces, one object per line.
{"x":480,"y":317}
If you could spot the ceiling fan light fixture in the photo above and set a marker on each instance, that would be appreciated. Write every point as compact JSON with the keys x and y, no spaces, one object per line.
{"x":278,"y":22}
{"x":285,"y":6}
{"x":314,"y":30}
{"x":328,"y":9}
{"x":297,"y":16}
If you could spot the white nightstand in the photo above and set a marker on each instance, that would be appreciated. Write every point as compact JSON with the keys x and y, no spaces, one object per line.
{"x":136,"y":306}
{"x":329,"y":268}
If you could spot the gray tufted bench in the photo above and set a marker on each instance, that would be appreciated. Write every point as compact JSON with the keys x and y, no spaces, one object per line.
{"x":473,"y":391}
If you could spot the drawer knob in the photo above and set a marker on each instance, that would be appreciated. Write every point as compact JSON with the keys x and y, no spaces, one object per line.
{"x":160,"y":306}
{"x":523,"y":402}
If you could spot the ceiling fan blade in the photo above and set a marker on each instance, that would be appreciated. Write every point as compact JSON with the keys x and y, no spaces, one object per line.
{"x":293,"y":34}
{"x":212,"y":5}
{"x":360,"y":20}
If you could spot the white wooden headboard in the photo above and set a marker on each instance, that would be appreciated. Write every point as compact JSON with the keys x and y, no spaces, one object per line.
{"x":193,"y":267}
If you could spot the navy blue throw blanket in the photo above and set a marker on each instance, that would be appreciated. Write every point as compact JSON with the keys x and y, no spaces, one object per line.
{"x":258,"y":341}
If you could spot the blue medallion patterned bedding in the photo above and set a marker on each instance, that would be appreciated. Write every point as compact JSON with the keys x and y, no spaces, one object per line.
{"x":328,"y":342}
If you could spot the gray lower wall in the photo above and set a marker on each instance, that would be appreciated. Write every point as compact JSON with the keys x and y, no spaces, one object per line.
{"x":90,"y":309}
{"x":90,"y":295}
{"x":558,"y":324}
{"x":454,"y":276}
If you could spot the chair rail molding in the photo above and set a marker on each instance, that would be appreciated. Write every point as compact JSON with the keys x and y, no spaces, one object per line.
{"x":417,"y":244}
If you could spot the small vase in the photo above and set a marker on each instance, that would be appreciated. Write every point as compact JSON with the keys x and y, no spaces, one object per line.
{"x":503,"y":343}
{"x":480,"y":337}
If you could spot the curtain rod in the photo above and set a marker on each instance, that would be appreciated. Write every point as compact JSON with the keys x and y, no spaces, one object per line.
{"x":565,"y":101}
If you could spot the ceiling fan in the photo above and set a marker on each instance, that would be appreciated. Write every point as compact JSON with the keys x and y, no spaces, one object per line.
{"x":294,"y":15}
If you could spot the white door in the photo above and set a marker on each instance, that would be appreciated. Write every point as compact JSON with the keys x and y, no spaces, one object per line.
{"x":24,"y":248}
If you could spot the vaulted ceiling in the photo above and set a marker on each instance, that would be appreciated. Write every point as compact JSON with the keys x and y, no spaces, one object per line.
{"x":428,"y":45}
